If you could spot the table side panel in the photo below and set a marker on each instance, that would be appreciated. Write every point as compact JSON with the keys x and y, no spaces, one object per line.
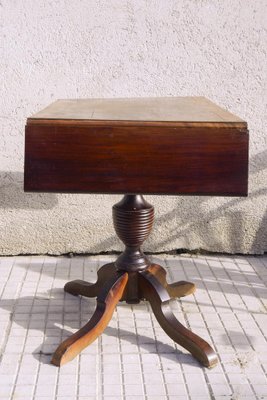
{"x":148,"y":160}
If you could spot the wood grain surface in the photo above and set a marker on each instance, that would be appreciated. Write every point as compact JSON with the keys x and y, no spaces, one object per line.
{"x":148,"y":160}
{"x":159,"y":299}
{"x":172,"y":109}
{"x":107,"y":300}
{"x":175,"y":145}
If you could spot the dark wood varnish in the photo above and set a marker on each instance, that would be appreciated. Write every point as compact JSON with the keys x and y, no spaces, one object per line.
{"x":88,"y":289}
{"x":149,"y":284}
{"x":175,"y":289}
{"x":173,"y":145}
{"x":107,"y":299}
{"x":133,"y":217}
{"x":184,"y":146}
{"x":141,"y":159}
{"x":159,"y":299}
{"x":133,"y":278}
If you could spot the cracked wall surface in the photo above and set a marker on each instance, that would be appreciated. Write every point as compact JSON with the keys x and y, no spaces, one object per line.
{"x":118,"y":48}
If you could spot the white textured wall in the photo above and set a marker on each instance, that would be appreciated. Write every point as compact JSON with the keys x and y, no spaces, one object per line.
{"x":118,"y":48}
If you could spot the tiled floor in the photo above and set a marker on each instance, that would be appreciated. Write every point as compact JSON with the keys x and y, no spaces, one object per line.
{"x":134,"y":359}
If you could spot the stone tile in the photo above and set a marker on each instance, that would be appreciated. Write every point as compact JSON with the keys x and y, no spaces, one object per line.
{"x":134,"y":359}
{"x":176,"y":389}
{"x":112,"y":390}
{"x":133,"y":390}
{"x":155,"y":390}
{"x":87,"y":390}
{"x":5,"y":390}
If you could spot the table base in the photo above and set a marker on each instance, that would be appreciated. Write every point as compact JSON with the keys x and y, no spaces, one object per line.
{"x":113,"y":286}
{"x":133,"y":278}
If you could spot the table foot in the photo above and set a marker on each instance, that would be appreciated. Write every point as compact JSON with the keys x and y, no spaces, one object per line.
{"x":158,"y":297}
{"x":88,"y":289}
{"x":176,"y":289}
{"x":180,"y":289}
{"x":114,"y":285}
{"x":107,"y":300}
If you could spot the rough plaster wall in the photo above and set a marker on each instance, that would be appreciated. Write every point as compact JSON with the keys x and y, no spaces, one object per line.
{"x":118,"y":48}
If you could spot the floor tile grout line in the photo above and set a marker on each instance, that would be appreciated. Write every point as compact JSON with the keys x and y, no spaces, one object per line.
{"x":260,"y":329}
{"x":46,"y":319}
{"x":100,"y":380}
{"x":63,"y":323}
{"x":11,"y":320}
{"x":120,"y":356}
{"x":184,"y":315}
{"x":248,"y":284}
{"x":8,"y":276}
{"x":100,"y":393}
{"x":222,"y":291}
{"x":3,"y":346}
{"x":221,"y":320}
{"x":219,"y":316}
{"x":251,"y":286}
{"x":245,"y":385}
{"x":156,"y":343}
{"x":81,"y":322}
{"x":211,"y":393}
{"x":25,"y":339}
{"x":26,"y":336}
{"x":228,"y":336}
{"x":139,"y":352}
{"x":253,"y":315}
{"x":236,"y":315}
{"x":187,"y":325}
{"x":210,"y":390}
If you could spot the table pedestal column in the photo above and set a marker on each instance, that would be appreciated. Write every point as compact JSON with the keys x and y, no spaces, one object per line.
{"x":132,"y":278}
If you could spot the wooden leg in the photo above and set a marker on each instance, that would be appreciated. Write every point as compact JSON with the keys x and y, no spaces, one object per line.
{"x":157,"y":295}
{"x":132,"y":278}
{"x":107,"y":300}
{"x":88,"y":289}
{"x":176,"y":289}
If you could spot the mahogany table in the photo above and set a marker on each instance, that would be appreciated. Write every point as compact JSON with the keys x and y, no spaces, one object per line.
{"x":163,"y":146}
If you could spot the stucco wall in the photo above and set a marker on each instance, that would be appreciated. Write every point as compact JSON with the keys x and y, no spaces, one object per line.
{"x":118,"y":48}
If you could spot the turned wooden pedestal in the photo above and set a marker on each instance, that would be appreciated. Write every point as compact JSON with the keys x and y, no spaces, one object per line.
{"x":178,"y":146}
{"x":132,"y":278}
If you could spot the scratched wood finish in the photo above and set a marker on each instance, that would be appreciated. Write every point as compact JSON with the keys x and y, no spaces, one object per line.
{"x":152,"y":109}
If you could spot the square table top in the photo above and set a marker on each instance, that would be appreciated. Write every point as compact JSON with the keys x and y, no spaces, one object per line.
{"x":171,"y":145}
{"x":174,"y":110}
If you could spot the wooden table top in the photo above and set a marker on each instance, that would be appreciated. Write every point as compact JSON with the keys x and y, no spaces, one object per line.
{"x":171,"y":145}
{"x":163,"y":110}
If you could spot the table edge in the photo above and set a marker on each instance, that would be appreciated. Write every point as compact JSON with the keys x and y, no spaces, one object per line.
{"x":126,"y":123}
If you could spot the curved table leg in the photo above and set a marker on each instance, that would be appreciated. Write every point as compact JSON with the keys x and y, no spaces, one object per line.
{"x":176,"y":289}
{"x":159,"y":299}
{"x":106,"y":303}
{"x":180,"y":289}
{"x":88,"y":289}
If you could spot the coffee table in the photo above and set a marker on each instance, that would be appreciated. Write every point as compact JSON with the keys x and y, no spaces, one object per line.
{"x":164,"y":146}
